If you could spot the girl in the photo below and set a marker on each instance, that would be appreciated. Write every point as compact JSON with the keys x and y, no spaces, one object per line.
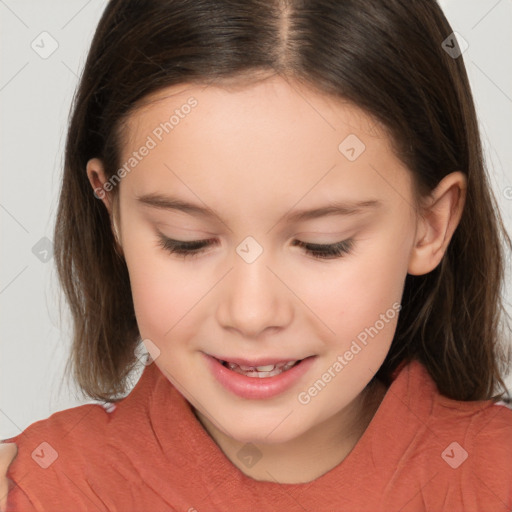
{"x":286,"y":204}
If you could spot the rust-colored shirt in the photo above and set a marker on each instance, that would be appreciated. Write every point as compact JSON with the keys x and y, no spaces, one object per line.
{"x":421,"y":452}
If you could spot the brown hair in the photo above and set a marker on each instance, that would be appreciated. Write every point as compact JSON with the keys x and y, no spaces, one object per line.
{"x":386,"y":57}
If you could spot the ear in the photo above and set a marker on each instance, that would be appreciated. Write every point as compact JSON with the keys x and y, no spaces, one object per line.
{"x":440,"y":216}
{"x":96,"y":174}
{"x":102,"y":187}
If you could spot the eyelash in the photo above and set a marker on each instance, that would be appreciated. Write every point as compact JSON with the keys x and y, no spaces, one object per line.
{"x":196,"y":247}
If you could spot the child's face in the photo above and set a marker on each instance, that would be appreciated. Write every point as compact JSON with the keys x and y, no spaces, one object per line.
{"x":255,"y":156}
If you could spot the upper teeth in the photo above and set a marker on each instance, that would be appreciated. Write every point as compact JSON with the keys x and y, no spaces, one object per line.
{"x":266,"y":368}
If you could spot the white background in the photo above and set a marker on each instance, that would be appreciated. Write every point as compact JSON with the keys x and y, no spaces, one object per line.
{"x":35,"y":97}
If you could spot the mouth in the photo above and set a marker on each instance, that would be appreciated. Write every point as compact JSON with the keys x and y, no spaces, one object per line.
{"x":260,"y":371}
{"x":258,"y":379}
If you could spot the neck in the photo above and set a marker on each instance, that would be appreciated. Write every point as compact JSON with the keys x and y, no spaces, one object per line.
{"x":314,"y":453}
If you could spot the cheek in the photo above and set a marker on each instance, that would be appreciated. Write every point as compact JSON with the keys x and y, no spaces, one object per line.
{"x":363,"y":286}
{"x":359,"y":297}
{"x":162,"y":292}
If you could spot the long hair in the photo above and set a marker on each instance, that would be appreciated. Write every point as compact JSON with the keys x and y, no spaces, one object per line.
{"x":385,"y":56}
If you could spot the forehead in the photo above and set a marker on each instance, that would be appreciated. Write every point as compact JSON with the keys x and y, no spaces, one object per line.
{"x":286,"y":100}
{"x":270,"y":136}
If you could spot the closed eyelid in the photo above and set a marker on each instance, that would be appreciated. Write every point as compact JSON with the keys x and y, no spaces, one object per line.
{"x":191,"y":249}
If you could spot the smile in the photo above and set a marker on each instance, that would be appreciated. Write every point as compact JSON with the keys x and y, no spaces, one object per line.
{"x":262,"y":372}
{"x":258,"y":381}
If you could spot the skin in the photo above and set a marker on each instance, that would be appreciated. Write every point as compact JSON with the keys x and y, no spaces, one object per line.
{"x":253,"y":154}
{"x":8,"y":452}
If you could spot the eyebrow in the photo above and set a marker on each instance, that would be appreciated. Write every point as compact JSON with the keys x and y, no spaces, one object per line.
{"x":162,"y":202}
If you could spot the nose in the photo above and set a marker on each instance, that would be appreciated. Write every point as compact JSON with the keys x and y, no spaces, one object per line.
{"x":253,"y":298}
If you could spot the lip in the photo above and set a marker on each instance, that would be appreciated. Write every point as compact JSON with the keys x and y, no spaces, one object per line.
{"x":255,"y":387}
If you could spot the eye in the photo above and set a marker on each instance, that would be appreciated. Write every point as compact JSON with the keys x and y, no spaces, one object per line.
{"x":327,"y":251}
{"x":184,"y":249}
{"x":195,"y":247}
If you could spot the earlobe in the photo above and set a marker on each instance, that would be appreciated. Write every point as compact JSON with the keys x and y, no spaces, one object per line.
{"x":439,"y":219}
{"x":96,"y":174}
